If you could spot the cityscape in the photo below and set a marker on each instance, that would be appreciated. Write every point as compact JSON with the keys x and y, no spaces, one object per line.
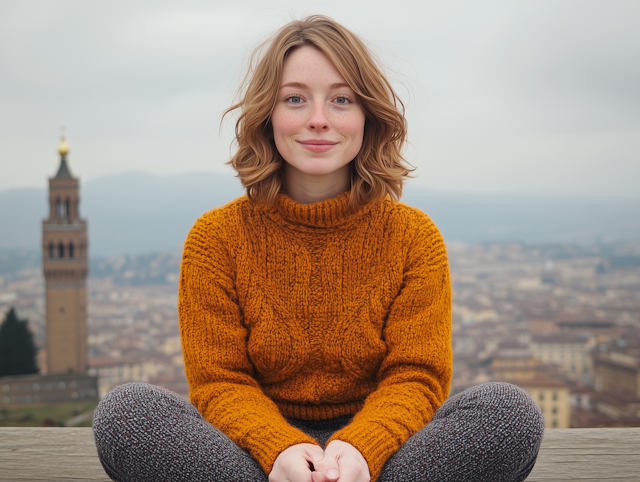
{"x":562,"y":322}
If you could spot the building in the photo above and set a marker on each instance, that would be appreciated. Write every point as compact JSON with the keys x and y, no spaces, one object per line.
{"x":155,"y":368}
{"x":65,"y":265}
{"x":591,"y":409}
{"x":514,"y":361}
{"x":602,"y":330}
{"x":617,"y":366}
{"x":552,"y":396}
{"x":37,"y":389}
{"x":570,"y":352}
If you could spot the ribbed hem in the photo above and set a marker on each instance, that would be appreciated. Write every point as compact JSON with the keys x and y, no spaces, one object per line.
{"x":318,"y":412}
{"x":376,"y":446}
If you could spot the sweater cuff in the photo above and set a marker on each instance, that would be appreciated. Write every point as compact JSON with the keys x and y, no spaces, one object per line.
{"x":266,"y":449}
{"x":376,"y":446}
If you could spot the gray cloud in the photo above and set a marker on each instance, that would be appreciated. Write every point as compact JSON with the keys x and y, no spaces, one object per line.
{"x":536,"y":97}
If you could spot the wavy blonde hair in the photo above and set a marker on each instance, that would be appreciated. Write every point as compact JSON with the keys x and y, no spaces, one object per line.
{"x":378,"y":169}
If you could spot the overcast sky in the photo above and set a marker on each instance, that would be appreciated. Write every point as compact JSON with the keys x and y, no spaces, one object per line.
{"x":535,"y":97}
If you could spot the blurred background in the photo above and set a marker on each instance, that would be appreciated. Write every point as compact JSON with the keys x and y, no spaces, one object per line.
{"x":524,"y":127}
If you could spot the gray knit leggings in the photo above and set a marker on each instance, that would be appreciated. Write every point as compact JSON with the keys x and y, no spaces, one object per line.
{"x":491,"y":432}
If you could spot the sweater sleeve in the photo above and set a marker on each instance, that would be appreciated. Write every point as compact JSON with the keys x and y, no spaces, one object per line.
{"x":217,"y":365}
{"x":415,"y":375}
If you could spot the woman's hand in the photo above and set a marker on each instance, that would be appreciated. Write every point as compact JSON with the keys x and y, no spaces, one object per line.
{"x":342,"y":462}
{"x":294,"y":464}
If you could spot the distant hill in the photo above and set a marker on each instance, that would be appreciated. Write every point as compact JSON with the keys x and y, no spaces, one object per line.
{"x":21,"y":212}
{"x":138,"y":213}
{"x":129,"y":213}
{"x":481,"y":218}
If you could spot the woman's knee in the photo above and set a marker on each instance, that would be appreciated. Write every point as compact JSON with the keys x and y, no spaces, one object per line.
{"x":499,"y":404}
{"x":500,"y":395}
{"x":127,"y":406}
{"x":123,"y":399}
{"x":116,"y":411}
{"x":509,"y":405}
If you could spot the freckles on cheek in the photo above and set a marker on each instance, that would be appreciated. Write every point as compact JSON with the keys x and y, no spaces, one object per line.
{"x":284,"y":124}
{"x":352,"y":129}
{"x":350,"y":126}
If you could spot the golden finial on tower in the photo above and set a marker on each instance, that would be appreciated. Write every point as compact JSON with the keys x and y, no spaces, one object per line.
{"x":63,"y":147}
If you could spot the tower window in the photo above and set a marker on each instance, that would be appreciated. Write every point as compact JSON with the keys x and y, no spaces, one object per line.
{"x":67,"y":205}
{"x":71,"y":250}
{"x":52,"y":250}
{"x":61,"y":208}
{"x":61,"y":250}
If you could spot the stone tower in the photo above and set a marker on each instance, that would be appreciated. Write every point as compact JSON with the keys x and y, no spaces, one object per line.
{"x":65,"y":264}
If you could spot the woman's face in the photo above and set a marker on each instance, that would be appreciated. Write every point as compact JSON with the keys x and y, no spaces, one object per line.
{"x":318,"y":122}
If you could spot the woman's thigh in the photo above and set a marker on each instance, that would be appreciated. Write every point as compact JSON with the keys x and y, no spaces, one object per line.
{"x":491,"y":432}
{"x":144,"y":432}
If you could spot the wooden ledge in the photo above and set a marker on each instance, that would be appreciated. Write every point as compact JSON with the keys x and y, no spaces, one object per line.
{"x":594,"y":454}
{"x":52,"y":453}
{"x":56,"y":454}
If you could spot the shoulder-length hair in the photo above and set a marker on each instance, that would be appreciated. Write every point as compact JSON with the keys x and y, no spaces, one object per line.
{"x":379,"y":168}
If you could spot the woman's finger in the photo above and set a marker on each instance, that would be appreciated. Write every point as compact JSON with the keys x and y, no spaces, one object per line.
{"x":351,"y":471}
{"x":326,"y":470}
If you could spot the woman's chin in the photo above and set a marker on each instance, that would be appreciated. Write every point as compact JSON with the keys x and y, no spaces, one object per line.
{"x":319,"y":167}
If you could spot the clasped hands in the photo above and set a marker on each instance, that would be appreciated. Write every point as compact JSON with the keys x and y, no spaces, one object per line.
{"x":339,"y":462}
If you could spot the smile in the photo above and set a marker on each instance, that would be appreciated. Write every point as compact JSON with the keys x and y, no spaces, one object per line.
{"x":318,"y":145}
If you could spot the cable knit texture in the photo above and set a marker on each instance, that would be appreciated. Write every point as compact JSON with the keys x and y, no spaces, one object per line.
{"x":313,"y":312}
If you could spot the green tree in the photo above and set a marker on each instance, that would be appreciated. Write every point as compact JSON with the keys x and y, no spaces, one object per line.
{"x":17,"y":348}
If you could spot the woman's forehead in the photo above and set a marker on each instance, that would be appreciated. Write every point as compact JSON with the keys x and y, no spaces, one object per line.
{"x":308,"y":65}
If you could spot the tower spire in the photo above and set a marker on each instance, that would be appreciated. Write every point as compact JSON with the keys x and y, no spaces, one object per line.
{"x":63,"y":150}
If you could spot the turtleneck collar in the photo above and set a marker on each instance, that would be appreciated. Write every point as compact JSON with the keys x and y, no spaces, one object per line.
{"x":325,"y":214}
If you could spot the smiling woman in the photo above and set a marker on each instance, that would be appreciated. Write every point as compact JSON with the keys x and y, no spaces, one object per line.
{"x":315,"y":312}
{"x":330,"y":58}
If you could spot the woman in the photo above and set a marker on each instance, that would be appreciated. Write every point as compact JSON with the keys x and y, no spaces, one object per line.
{"x":315,"y":312}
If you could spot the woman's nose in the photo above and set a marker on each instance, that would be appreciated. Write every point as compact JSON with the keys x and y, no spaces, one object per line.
{"x":318,"y":120}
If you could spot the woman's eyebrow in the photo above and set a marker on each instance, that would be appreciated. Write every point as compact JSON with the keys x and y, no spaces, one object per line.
{"x":300,"y":85}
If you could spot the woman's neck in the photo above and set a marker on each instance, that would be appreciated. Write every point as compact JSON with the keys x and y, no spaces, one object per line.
{"x":310,"y":189}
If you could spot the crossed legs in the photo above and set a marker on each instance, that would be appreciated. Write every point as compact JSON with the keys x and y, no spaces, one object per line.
{"x":491,"y":432}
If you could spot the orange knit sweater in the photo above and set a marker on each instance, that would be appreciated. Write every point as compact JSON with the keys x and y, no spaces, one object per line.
{"x":311,"y":312}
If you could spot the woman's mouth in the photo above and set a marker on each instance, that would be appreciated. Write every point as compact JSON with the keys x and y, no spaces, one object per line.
{"x":318,"y":145}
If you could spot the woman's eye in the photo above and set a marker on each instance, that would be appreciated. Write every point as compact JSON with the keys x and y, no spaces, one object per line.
{"x":342,"y":100}
{"x":294,"y":99}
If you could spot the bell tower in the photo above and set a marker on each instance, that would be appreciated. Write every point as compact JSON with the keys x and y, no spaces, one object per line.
{"x":65,"y":265}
